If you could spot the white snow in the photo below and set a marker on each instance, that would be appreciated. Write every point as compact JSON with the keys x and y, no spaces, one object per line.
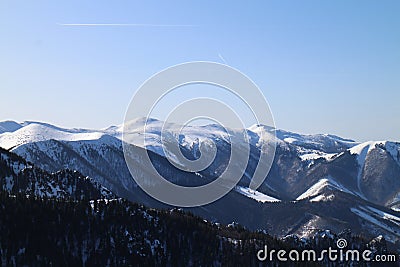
{"x":290,"y":140}
{"x":265,"y":134}
{"x":309,"y":228}
{"x":309,"y":147}
{"x":316,"y":155}
{"x":258,"y":196}
{"x":323,"y":198}
{"x":315,"y":189}
{"x":314,"y":140}
{"x":395,"y":209}
{"x":34,"y":132}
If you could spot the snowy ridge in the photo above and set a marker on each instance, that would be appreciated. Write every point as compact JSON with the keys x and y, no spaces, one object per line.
{"x":34,"y":132}
{"x":322,"y":142}
{"x":311,"y":147}
{"x":319,"y":187}
{"x":263,"y":135}
{"x":13,"y":134}
{"x":323,"y":197}
{"x":258,"y":196}
{"x":28,"y":132}
{"x":317,"y":155}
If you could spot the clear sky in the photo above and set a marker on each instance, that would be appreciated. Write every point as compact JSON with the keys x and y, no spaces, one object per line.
{"x":324,"y":66}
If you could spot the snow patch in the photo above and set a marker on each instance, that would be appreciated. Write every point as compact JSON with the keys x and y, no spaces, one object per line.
{"x":323,"y":198}
{"x":317,"y":155}
{"x":290,"y":140}
{"x":258,"y":196}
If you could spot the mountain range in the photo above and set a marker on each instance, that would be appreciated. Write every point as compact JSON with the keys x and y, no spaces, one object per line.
{"x":67,"y":219}
{"x":317,"y":182}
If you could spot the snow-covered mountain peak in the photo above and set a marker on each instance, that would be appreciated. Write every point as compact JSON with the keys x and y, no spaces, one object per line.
{"x":321,"y":186}
{"x":260,"y":127}
{"x":36,"y":131}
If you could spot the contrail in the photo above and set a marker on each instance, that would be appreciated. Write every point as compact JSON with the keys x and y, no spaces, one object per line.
{"x":126,"y":24}
{"x":222,"y":58}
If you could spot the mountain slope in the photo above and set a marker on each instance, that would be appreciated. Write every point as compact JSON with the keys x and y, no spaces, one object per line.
{"x":18,"y":176}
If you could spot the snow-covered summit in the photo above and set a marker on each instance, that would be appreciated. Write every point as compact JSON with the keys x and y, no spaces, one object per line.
{"x":36,"y":131}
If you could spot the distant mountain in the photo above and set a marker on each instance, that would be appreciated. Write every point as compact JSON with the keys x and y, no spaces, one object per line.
{"x":317,"y":182}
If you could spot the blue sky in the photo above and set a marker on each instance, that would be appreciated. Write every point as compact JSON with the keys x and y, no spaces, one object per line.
{"x":324,"y":66}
